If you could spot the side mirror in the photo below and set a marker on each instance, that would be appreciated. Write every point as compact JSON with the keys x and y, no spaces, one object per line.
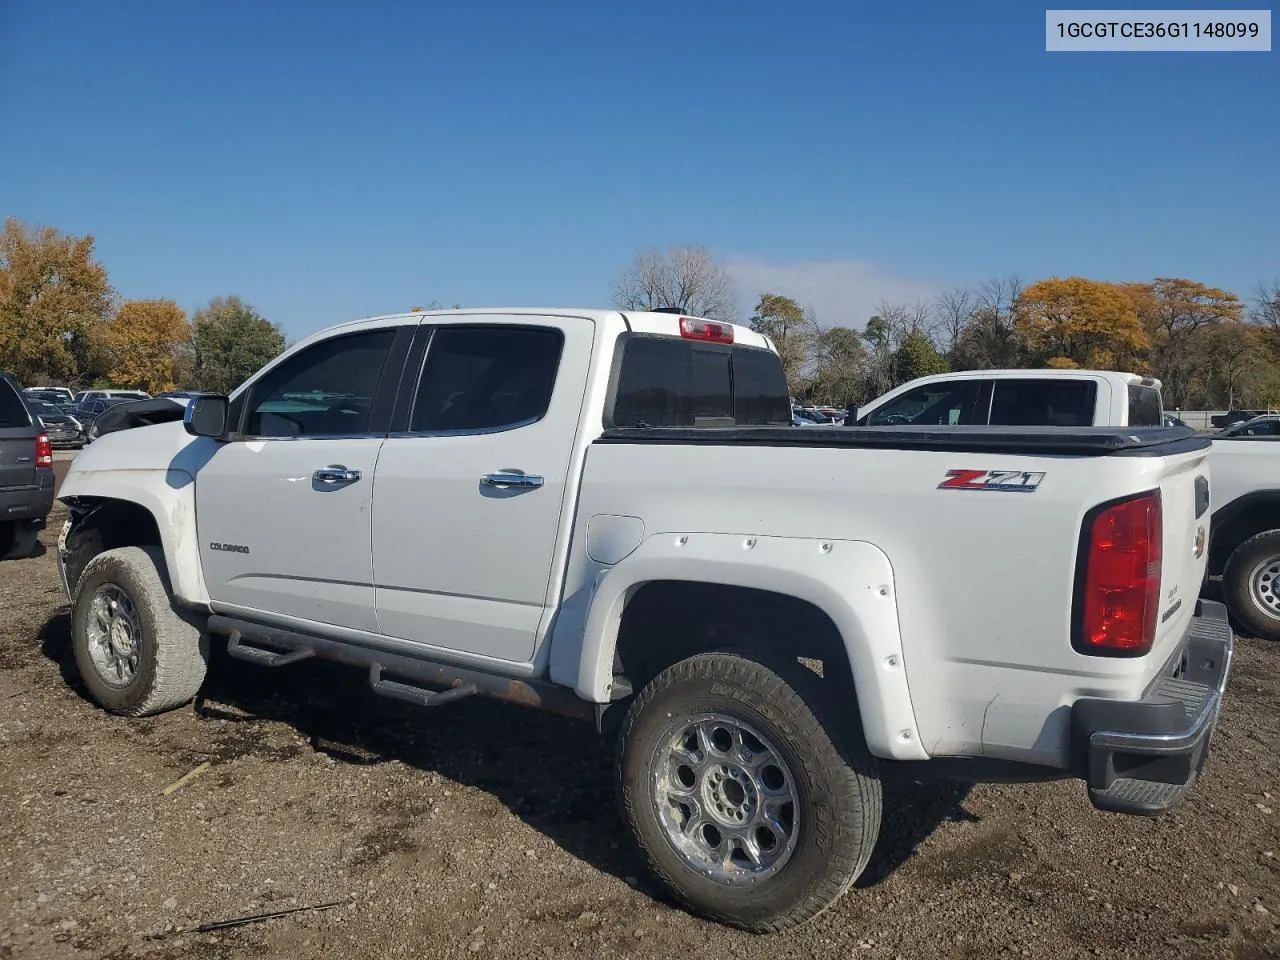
{"x":206,"y":416}
{"x":851,"y":415}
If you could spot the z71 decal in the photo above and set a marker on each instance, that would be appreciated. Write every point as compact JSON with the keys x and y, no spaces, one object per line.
{"x":1016,"y":481}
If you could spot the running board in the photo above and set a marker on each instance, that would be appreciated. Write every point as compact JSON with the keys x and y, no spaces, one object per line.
{"x":288,"y":644}
{"x":236,"y":647}
{"x":417,"y":695}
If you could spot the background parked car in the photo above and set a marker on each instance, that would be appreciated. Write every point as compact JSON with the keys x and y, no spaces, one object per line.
{"x":88,"y":411}
{"x":59,"y":395}
{"x":1235,"y":416}
{"x":86,"y":395}
{"x":26,"y":474}
{"x":63,"y":427}
{"x":1267,"y":425}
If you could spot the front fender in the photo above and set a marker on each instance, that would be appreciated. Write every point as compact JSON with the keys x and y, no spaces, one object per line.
{"x":850,"y":580}
{"x":169,"y":496}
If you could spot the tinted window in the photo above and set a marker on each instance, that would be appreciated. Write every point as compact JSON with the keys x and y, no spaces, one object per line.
{"x":760,"y":394}
{"x":13,"y":412}
{"x":665,"y":382}
{"x":1043,"y":403}
{"x":325,"y":390}
{"x":486,"y":378}
{"x":1259,"y":428}
{"x":1145,"y":408}
{"x":936,"y":404}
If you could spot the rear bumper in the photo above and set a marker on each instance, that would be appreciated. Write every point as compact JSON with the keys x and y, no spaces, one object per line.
{"x":28,"y":505}
{"x":1142,"y":756}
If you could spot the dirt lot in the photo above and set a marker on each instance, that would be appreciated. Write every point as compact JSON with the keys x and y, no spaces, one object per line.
{"x":487,"y":830}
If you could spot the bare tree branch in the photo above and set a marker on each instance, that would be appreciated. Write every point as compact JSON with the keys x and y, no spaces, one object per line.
{"x":688,"y":278}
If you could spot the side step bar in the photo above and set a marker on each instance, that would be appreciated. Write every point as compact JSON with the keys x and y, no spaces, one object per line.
{"x":288,"y":646}
{"x":264,"y":658}
{"x":411,"y":694}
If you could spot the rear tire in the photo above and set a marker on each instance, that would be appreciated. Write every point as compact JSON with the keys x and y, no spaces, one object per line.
{"x":1251,"y":584}
{"x":746,"y":800}
{"x":135,"y":653}
{"x":17,"y":541}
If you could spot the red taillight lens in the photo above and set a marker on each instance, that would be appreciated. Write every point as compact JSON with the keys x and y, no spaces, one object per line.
{"x":1121,"y":593}
{"x":695,"y":328}
{"x":44,"y":451}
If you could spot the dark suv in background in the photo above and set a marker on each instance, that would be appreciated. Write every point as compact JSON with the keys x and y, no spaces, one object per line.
{"x":26,"y":474}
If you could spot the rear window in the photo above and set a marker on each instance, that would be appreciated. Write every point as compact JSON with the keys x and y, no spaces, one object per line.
{"x":1043,"y":403}
{"x":1145,"y":406}
{"x":668,"y":382}
{"x":13,"y":411}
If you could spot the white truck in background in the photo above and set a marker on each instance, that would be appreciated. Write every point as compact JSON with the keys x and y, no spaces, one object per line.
{"x":1019,"y":397}
{"x":1244,"y":544}
{"x":594,"y":512}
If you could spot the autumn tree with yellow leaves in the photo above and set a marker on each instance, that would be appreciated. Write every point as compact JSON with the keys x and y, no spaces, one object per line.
{"x":148,"y":341}
{"x":1078,"y":322}
{"x":55,"y":302}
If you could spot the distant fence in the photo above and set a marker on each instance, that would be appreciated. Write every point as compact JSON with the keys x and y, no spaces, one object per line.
{"x":1199,"y":419}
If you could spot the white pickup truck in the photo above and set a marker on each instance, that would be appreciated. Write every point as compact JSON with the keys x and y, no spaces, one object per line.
{"x":1019,"y":397}
{"x":1244,"y":546}
{"x":594,"y":512}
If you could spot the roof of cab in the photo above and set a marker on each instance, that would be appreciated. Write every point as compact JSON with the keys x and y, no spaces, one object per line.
{"x":1043,"y":373}
{"x":665,"y":324}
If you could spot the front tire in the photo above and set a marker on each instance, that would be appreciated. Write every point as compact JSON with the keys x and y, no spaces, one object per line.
{"x":135,"y":653}
{"x":1251,"y":584}
{"x":746,"y":801}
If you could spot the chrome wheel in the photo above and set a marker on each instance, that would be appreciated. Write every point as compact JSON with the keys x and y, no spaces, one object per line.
{"x":114,"y":635}
{"x":725,"y":799}
{"x":1264,"y":586}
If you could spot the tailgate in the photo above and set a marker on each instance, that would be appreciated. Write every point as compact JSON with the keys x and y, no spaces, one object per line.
{"x":1184,"y":496}
{"x":17,"y":457}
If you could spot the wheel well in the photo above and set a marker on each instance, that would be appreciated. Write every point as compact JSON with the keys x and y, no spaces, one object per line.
{"x":100,"y":525}
{"x":669,"y":620}
{"x":1238,"y":526}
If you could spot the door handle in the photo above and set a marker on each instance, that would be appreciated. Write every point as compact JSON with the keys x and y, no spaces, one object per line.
{"x":336,"y":473}
{"x":508,"y":479}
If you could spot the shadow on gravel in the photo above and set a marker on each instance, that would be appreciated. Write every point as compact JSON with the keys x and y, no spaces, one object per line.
{"x":553,"y":773}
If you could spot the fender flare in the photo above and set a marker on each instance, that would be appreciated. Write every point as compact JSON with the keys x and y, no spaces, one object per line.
{"x":849,"y":580}
{"x":169,"y":496}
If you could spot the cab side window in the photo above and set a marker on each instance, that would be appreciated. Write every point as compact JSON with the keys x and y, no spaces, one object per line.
{"x":484,"y":378}
{"x":954,"y":403}
{"x":324,"y":390}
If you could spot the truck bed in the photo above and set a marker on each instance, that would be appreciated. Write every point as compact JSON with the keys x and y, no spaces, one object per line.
{"x":1036,"y":441}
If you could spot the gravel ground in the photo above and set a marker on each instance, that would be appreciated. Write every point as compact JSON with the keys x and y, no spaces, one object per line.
{"x":487,"y":830}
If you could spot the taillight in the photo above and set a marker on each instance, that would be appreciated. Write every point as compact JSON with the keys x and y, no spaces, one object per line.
{"x":44,"y":451}
{"x":1119,"y":585}
{"x":695,"y":328}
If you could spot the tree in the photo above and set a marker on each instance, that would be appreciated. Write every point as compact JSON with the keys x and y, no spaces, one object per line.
{"x":839,"y":362}
{"x":783,"y":321}
{"x":146,"y":340}
{"x":54,"y":303}
{"x":687,"y":278}
{"x":1266,"y":313}
{"x":232,"y":341}
{"x":1090,"y":323}
{"x":916,"y":357}
{"x":1177,"y":314}
{"x":954,"y":311}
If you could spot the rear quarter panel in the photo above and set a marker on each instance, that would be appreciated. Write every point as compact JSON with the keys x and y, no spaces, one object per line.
{"x":983,"y":580}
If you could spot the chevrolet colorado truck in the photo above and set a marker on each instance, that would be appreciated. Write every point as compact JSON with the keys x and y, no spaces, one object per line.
{"x":593,"y":512}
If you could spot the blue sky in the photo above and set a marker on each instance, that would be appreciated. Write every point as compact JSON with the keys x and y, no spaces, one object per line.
{"x":329,"y":160}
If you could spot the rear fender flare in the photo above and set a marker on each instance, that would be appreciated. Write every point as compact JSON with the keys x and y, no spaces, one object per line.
{"x":850,"y":580}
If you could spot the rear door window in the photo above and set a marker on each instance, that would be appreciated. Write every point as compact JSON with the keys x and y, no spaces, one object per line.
{"x":1043,"y":403}
{"x":13,"y":412}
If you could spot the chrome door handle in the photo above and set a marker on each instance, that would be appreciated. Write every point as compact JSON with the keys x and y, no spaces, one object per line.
{"x":336,"y":473}
{"x":505,"y":480}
